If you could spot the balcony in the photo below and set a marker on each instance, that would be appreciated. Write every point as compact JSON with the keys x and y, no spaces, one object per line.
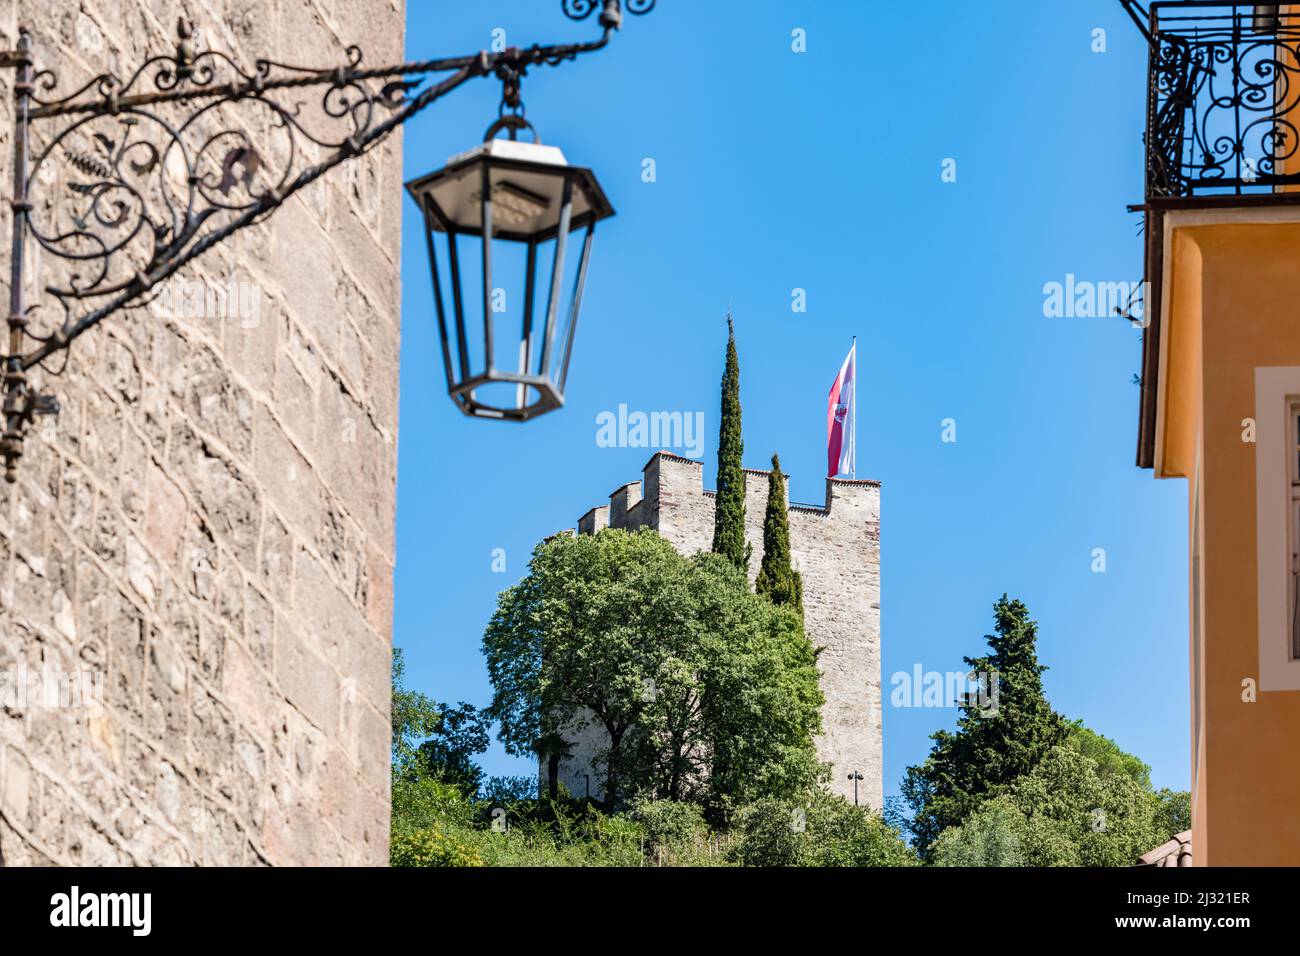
{"x":1222,"y":133}
{"x":1223,"y":92}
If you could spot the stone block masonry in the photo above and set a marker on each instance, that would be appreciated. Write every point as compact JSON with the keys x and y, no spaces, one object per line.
{"x":207,"y":530}
{"x":836,"y":547}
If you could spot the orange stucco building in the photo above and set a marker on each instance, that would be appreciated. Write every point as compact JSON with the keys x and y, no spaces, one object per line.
{"x":1221,"y":405}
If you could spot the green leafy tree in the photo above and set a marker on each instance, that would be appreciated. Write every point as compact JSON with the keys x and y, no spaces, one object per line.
{"x":432,"y":739}
{"x":760,"y":692}
{"x":583,"y":637}
{"x":729,"y":503}
{"x":993,"y":836}
{"x":1067,"y":811}
{"x":777,"y":580}
{"x":1174,"y":812}
{"x":1109,"y":757}
{"x":997,"y":740}
{"x":817,"y":829}
{"x":702,"y":689}
{"x":415,"y":717}
{"x":506,"y":791}
{"x":448,"y":754}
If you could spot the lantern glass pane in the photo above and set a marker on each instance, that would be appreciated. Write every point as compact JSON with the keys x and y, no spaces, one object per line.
{"x":460,"y":261}
{"x":518,"y":345}
{"x":565,"y":318}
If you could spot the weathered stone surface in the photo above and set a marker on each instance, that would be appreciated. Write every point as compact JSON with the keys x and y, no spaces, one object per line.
{"x":204,"y":536}
{"x":836,"y":548}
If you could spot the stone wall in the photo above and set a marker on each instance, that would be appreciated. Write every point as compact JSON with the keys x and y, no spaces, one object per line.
{"x":206,"y":530}
{"x":836,"y":547}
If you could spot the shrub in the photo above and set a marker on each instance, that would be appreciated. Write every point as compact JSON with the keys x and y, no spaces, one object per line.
{"x":431,"y":847}
{"x":667,"y":823}
{"x":420,"y":804}
{"x":822,"y":830}
{"x":557,"y":834}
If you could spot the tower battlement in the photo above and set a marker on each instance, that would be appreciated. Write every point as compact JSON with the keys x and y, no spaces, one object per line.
{"x":835,"y":546}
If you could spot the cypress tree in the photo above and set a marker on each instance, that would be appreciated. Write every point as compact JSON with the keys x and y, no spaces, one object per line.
{"x":777,"y":579}
{"x":729,"y":504}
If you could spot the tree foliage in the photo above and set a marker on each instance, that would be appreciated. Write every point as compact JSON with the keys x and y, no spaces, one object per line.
{"x":997,"y":740}
{"x":460,"y":735}
{"x":705,"y":692}
{"x":1173,"y":811}
{"x":1068,"y":811}
{"x":414,"y":715}
{"x":1017,"y":785}
{"x":1109,"y":757}
{"x":420,"y":803}
{"x":778,"y":581}
{"x":509,"y":789}
{"x":435,"y":740}
{"x":729,"y":503}
{"x":668,"y":823}
{"x":817,"y":829}
{"x":993,"y":836}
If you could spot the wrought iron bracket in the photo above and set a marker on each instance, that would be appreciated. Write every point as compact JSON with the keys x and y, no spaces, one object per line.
{"x":122,"y":182}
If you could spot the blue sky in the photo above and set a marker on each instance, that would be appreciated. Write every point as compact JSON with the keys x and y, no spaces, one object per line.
{"x":822,"y":171}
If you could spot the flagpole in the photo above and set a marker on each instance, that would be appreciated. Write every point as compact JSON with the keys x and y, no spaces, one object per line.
{"x":854,"y":437}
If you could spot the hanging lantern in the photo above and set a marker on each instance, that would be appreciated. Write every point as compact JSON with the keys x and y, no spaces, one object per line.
{"x":498,"y":220}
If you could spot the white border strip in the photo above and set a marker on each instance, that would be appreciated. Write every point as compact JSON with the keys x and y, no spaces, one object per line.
{"x":1273,"y":387}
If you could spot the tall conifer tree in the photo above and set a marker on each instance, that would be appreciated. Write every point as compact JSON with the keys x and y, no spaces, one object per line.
{"x":994,"y":744}
{"x":729,"y":505}
{"x":777,"y":580}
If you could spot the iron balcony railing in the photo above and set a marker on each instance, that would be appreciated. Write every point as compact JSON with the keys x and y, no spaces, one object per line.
{"x":1223,"y":109}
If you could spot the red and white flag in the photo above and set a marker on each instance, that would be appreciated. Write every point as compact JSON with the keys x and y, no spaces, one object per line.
{"x":840,"y":431}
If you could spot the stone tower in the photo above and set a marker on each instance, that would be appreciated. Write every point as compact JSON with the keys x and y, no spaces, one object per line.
{"x":206,"y":531}
{"x":836,"y":547}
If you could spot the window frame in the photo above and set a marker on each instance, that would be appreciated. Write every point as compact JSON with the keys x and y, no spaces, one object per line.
{"x":1293,"y":524}
{"x":1277,"y":530}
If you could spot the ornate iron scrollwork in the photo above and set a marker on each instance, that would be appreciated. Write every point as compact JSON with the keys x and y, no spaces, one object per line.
{"x":117,"y":194}
{"x":1224,"y":100}
{"x":581,"y":9}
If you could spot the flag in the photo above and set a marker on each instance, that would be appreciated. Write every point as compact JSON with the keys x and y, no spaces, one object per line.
{"x":840,"y":426}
